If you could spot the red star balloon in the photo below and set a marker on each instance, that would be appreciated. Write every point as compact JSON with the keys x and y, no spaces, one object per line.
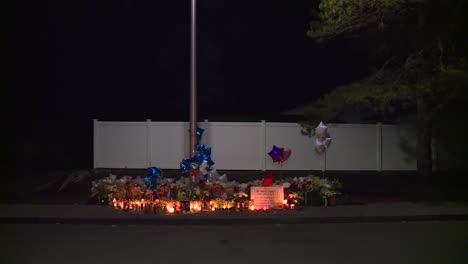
{"x":276,"y":154}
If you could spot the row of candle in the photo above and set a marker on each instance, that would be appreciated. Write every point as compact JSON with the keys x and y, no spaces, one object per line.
{"x":165,"y":206}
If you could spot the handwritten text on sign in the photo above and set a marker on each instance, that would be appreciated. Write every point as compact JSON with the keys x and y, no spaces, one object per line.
{"x":269,"y":197}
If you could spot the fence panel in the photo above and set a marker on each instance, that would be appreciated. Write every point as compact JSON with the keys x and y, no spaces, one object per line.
{"x":353,"y":147}
{"x":236,"y":146}
{"x":245,"y":146}
{"x":169,"y":144}
{"x":121,"y":145}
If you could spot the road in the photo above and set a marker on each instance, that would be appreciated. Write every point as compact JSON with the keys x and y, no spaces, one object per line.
{"x":409,"y":242}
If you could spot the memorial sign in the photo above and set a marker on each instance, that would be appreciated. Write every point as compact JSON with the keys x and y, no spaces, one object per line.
{"x":270,"y":197}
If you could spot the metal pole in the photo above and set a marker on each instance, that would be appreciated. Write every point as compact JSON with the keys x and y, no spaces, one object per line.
{"x":193,"y":80}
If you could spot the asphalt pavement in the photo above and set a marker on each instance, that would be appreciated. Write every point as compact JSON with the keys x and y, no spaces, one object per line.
{"x":404,"y":242}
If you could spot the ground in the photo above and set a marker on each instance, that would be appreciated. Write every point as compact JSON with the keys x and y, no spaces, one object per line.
{"x":415,"y":242}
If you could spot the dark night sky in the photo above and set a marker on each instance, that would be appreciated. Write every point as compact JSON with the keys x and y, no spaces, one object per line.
{"x":129,"y":60}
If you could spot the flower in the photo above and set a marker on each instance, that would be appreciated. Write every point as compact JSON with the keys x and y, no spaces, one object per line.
{"x":126,"y":179}
{"x":217,"y":190}
{"x":139,"y":181}
{"x":306,"y":186}
{"x":243,"y":187}
{"x":181,"y":189}
{"x":135,"y":192}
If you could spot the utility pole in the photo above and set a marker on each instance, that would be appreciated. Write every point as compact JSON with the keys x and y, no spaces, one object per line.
{"x":193,"y":78}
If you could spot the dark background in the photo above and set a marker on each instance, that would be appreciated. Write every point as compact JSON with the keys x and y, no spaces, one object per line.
{"x":73,"y":61}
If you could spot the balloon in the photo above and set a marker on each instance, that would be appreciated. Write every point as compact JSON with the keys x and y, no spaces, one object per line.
{"x":203,"y":156}
{"x":286,"y":153}
{"x":185,"y":165}
{"x":321,"y":131}
{"x":268,"y":180}
{"x":322,"y":138}
{"x":319,"y":147}
{"x":276,"y":154}
{"x":199,"y":133}
{"x":151,"y":178}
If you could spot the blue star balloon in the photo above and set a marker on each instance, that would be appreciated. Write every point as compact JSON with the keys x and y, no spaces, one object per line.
{"x":185,"y":165}
{"x":204,"y":155}
{"x":152,"y":177}
{"x":199,"y":133}
{"x":209,"y":161}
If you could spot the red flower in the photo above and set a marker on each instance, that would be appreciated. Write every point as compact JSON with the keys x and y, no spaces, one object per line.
{"x":217,"y":190}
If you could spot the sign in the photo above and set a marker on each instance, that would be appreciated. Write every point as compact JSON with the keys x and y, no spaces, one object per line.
{"x":270,"y":197}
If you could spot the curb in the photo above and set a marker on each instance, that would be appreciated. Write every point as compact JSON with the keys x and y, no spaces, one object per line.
{"x":230,"y":221}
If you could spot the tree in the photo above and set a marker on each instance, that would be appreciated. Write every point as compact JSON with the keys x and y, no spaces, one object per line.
{"x":423,"y":50}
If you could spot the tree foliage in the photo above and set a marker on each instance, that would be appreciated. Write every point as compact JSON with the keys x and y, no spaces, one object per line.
{"x":425,"y":73}
{"x":337,"y":17}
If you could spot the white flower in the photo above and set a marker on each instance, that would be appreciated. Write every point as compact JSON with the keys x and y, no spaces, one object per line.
{"x":286,"y":185}
{"x":243,"y":186}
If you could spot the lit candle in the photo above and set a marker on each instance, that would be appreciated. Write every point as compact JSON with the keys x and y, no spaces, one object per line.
{"x":252,"y":208}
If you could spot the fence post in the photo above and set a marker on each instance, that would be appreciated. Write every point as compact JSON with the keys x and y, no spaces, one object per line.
{"x":95,"y":143}
{"x":378,"y":134}
{"x":149,"y":144}
{"x":263,"y":145}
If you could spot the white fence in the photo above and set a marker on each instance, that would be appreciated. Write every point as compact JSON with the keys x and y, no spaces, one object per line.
{"x":245,"y":146}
